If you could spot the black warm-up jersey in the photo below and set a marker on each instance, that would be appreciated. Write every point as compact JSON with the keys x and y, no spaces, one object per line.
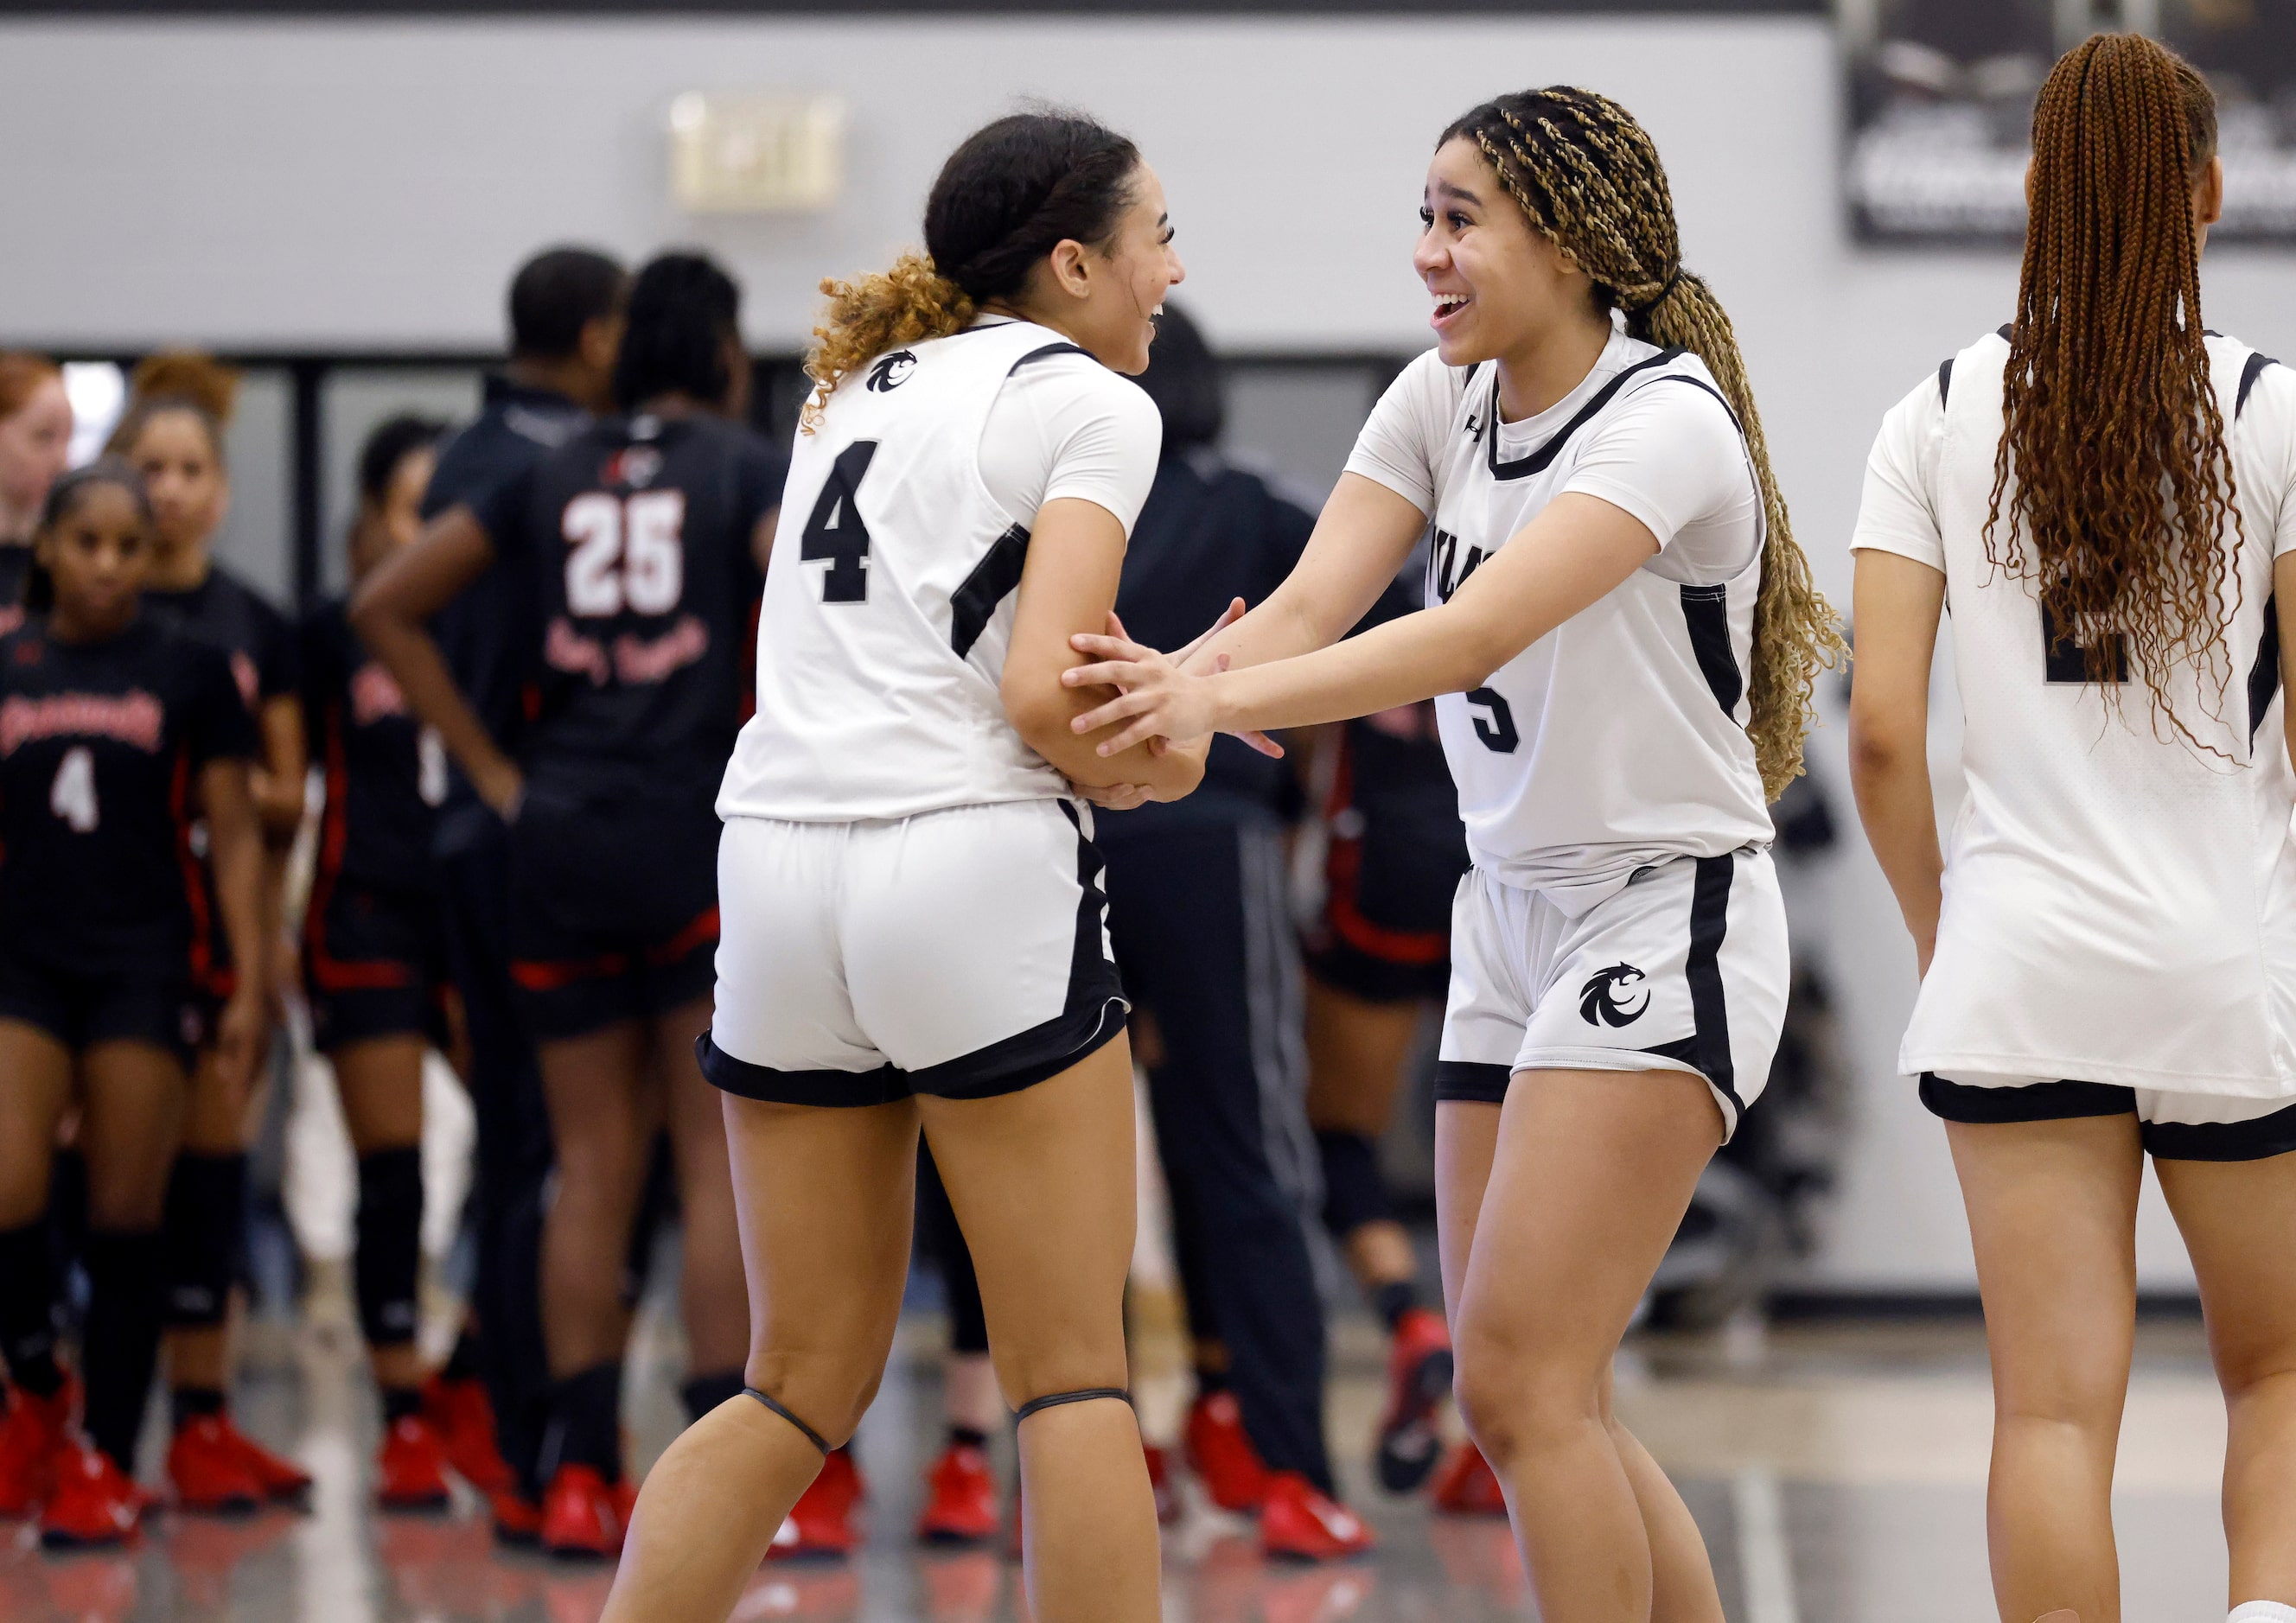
{"x":226,"y":610}
{"x":101,"y":748}
{"x":635,"y":536}
{"x":383,"y":778}
{"x":15,"y":568}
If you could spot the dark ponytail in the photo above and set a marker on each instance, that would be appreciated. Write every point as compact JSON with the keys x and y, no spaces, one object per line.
{"x":63,"y":497}
{"x":1010,"y":194}
{"x":683,"y":309}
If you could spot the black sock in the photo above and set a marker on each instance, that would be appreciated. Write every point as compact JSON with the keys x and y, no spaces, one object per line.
{"x":27,"y":1314}
{"x":187,"y":1403}
{"x":401,"y":1403}
{"x":462,"y":1363}
{"x":705,"y":1392}
{"x":585,"y":1421}
{"x":1210,"y":1381}
{"x":126,"y":1300}
{"x":1395,"y":1298}
{"x":966,"y":1437}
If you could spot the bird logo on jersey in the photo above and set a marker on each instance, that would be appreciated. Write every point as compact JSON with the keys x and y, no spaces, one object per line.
{"x":632,"y":468}
{"x":892,"y":371}
{"x":1600,"y":1000}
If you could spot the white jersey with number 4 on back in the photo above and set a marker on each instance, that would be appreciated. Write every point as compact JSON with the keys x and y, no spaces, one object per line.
{"x":1617,"y":741}
{"x":2120,"y":902}
{"x":888,"y":605}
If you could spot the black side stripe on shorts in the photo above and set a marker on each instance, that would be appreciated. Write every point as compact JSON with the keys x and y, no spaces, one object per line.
{"x":1538,"y":460}
{"x":2264,"y":675}
{"x":1706,"y":612}
{"x":2249,"y":373}
{"x":1708,"y":1045}
{"x":972,"y":605}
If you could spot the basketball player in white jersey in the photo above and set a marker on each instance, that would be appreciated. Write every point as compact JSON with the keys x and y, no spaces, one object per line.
{"x":2107,"y":496}
{"x":913,"y":917}
{"x":1622,"y":660}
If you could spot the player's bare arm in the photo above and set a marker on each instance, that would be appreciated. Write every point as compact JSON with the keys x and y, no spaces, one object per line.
{"x":1899,"y":601}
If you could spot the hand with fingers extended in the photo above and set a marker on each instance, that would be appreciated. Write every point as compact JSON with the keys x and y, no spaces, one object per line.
{"x":1128,"y":666}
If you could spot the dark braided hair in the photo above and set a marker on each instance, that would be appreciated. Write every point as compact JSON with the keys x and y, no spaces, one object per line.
{"x":683,"y":308}
{"x":2114,"y":444}
{"x":1589,"y":178}
{"x":1011,"y":194}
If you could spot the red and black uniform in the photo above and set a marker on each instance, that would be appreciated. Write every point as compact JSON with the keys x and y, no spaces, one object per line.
{"x":373,"y":947}
{"x":101,"y":899}
{"x":15,"y":568}
{"x":259,"y":643}
{"x":635,"y":536}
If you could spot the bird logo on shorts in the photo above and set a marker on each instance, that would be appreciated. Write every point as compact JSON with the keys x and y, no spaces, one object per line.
{"x":891,"y":373}
{"x":1600,"y":1001}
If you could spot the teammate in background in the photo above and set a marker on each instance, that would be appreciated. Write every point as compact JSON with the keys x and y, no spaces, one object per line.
{"x":113,"y":722}
{"x":1378,"y":957}
{"x":642,"y":537}
{"x":914,"y":933}
{"x":2108,"y":495}
{"x":1621,"y":663}
{"x":373,"y":966}
{"x":1198,"y":909}
{"x":172,"y":433}
{"x":36,"y":427}
{"x":565,"y":318}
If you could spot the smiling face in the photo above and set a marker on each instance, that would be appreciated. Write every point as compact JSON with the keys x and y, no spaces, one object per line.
{"x":1500,"y":286}
{"x":97,"y":553}
{"x":1107,"y":299}
{"x":181,"y":470}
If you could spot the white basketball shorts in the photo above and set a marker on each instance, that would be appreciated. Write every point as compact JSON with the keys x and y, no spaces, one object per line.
{"x":962,"y":953}
{"x":1685,"y":969}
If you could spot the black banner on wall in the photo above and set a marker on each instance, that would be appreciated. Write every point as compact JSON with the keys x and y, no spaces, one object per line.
{"x":1941,"y":108}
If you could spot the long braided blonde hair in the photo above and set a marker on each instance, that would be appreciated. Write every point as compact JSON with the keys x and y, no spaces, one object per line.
{"x":1589,"y":179}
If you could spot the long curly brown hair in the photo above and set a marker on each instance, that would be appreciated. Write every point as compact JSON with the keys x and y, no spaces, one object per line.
{"x":2113,"y":468}
{"x":1589,"y":178}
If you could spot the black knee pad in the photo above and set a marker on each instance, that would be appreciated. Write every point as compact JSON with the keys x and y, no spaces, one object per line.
{"x":206,"y":1234}
{"x":704,"y":1392}
{"x":1054,"y":1400}
{"x":27,"y":1297}
{"x":1354,"y":1192}
{"x":122,"y":1339}
{"x":389,"y":1260}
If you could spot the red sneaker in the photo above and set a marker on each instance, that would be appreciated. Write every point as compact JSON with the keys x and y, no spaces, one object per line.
{"x":282,"y":1481}
{"x":1160,"y":1484}
{"x":209,"y":1473}
{"x":821,"y":1522}
{"x":1222,"y":1455}
{"x":1466,"y":1486}
{"x":517,"y":1520}
{"x":1297,"y":1522}
{"x":1418,"y":1381}
{"x":32,"y":1434}
{"x":961,"y":1508}
{"x":581,"y":1515}
{"x":410,"y":1469}
{"x":460,"y":1412}
{"x":94,"y":1503}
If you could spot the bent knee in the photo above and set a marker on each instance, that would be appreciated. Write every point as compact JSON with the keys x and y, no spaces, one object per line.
{"x":1024,"y":1376}
{"x":828,"y":1392}
{"x":1515,"y":1400}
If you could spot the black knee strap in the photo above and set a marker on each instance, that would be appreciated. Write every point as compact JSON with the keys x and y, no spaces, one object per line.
{"x":809,"y":1434}
{"x":1091,"y":1394}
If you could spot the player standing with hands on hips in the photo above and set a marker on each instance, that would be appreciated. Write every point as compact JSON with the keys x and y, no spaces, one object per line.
{"x":2107,"y":494}
{"x":1622,"y":660}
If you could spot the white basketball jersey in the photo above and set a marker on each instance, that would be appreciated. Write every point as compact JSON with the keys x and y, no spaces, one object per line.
{"x":1617,"y":740}
{"x":888,"y":605}
{"x":2119,"y":905}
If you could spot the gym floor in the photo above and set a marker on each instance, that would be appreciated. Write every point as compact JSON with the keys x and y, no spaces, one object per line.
{"x":1838,"y":1472}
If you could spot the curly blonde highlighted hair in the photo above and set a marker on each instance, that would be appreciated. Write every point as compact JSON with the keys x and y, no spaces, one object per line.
{"x":907,"y":304}
{"x":1588,"y":178}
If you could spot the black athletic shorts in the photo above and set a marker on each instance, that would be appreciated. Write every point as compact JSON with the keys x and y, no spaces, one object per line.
{"x":79,"y":1009}
{"x":613,"y":916}
{"x":1392,"y":871}
{"x":2264,"y":1131}
{"x":374,"y":964}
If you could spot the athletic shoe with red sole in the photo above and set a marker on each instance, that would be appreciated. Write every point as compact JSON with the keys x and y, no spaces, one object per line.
{"x":1467,"y":1486}
{"x":94,"y":1502}
{"x":210,"y":1472}
{"x":1160,"y":1484}
{"x":961,"y":1502}
{"x":1418,"y":1381}
{"x":410,"y":1469}
{"x":517,"y":1520}
{"x":1299,"y":1522}
{"x":820,"y":1524}
{"x":284,"y":1482}
{"x":582,"y":1515}
{"x":1222,"y":1455}
{"x":460,"y":1412}
{"x":32,"y":1437}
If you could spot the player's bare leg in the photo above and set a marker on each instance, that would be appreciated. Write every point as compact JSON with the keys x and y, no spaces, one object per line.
{"x":1357,"y":1050}
{"x":1571,"y":1192}
{"x":711,"y":1293}
{"x":602,"y":1117}
{"x":2053,"y":1216}
{"x":825,"y":1199}
{"x":39,"y":1072}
